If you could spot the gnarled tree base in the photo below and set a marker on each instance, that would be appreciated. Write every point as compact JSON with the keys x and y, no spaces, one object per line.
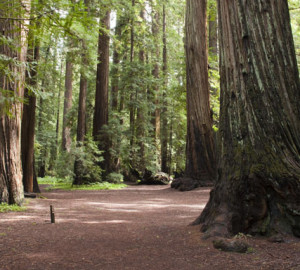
{"x":255,"y":205}
{"x":187,"y":184}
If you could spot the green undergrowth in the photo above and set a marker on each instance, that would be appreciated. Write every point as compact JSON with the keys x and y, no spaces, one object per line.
{"x":56,"y":183}
{"x":4,"y":208}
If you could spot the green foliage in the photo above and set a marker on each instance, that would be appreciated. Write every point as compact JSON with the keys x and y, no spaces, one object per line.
{"x":4,"y":207}
{"x":89,"y":157}
{"x":115,"y":178}
{"x":64,"y":184}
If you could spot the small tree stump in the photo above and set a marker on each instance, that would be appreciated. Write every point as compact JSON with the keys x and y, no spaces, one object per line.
{"x":52,"y":215}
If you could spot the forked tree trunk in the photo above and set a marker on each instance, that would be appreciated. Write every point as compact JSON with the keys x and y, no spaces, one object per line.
{"x":200,"y":156}
{"x":101,"y":100}
{"x":11,"y":186}
{"x":258,"y":190}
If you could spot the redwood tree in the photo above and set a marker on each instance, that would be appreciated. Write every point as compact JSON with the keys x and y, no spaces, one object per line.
{"x":258,"y":188}
{"x":28,"y":118}
{"x":12,"y":85}
{"x":200,"y":156}
{"x":101,"y":100}
{"x":66,"y":130}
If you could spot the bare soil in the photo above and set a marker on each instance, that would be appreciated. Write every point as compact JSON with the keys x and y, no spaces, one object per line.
{"x":139,"y":227}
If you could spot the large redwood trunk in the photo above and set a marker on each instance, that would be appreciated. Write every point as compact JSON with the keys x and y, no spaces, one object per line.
{"x":11,"y":186}
{"x":200,"y":156}
{"x":28,"y":121}
{"x":258,"y":190}
{"x":101,"y":100}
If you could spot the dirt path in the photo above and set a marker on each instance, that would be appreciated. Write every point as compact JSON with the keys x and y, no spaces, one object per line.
{"x":139,"y":227}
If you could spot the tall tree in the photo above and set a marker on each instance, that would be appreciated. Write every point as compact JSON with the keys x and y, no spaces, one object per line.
{"x":66,"y":131}
{"x":164,"y":120}
{"x":200,"y":157}
{"x":258,"y":190}
{"x":101,"y":100}
{"x":14,"y":47}
{"x":155,"y":73}
{"x":28,"y":117}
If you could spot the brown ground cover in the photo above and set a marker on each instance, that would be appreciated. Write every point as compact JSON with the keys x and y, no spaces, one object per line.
{"x":139,"y":227}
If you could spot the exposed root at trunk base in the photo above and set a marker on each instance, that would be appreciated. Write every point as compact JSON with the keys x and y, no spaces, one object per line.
{"x":187,"y":184}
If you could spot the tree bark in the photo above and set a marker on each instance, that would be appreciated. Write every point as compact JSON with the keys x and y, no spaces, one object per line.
{"x":28,"y":118}
{"x":164,"y":120}
{"x":200,"y":156}
{"x":101,"y":100}
{"x":66,"y":131}
{"x":258,"y":189}
{"x":11,"y":186}
{"x":155,"y":73}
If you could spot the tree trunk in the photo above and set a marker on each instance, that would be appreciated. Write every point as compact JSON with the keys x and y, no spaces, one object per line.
{"x":81,"y":124}
{"x":155,"y":73}
{"x":200,"y":158}
{"x":101,"y":100}
{"x":11,"y":186}
{"x":164,"y":120}
{"x":115,"y":72}
{"x":66,"y":132}
{"x":28,"y":118}
{"x":258,"y":190}
{"x":141,"y":97}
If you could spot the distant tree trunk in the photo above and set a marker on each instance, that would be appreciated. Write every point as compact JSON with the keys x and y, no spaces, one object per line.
{"x":155,"y":73}
{"x":40,"y":131}
{"x":101,"y":100}
{"x":132,"y":108}
{"x":213,"y":30}
{"x":28,"y":118}
{"x":81,"y":124}
{"x":66,"y":131}
{"x":200,"y":157}
{"x":140,"y":115}
{"x":116,"y":69}
{"x":164,"y":122}
{"x":258,"y":190}
{"x":11,"y":186}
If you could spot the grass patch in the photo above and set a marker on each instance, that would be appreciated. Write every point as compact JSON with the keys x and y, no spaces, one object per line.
{"x":4,"y":208}
{"x":56,"y":183}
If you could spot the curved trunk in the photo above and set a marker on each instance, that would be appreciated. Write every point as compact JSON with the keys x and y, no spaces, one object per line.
{"x":258,"y":189}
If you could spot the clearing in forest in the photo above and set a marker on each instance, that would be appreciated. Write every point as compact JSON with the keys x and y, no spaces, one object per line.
{"x":139,"y":227}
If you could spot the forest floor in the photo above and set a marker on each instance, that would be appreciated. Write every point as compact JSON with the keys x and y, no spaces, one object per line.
{"x":136,"y":228}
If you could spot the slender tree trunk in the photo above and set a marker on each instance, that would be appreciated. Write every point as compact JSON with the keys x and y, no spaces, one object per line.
{"x":116,"y":67}
{"x":155,"y":73}
{"x":141,"y":97}
{"x":11,"y":186}
{"x":66,"y":131}
{"x":101,"y":100}
{"x":200,"y":156}
{"x":164,"y":122}
{"x":28,"y":117}
{"x":132,"y":107}
{"x":258,"y":190}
